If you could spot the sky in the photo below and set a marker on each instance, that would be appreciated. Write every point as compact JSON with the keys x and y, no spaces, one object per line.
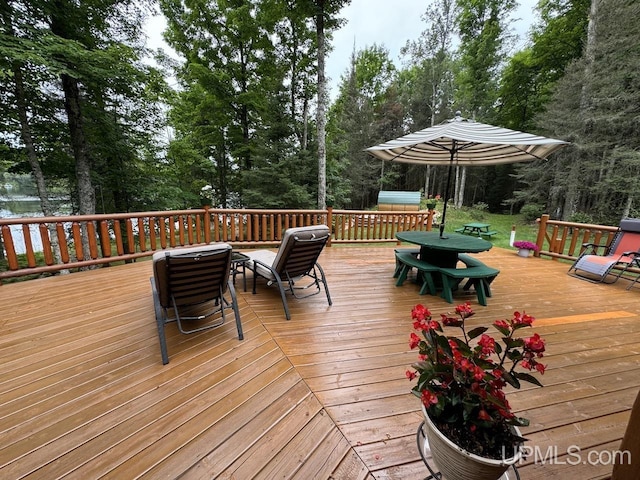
{"x":388,"y":23}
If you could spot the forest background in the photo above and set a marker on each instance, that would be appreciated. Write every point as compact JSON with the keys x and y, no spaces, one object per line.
{"x":241,"y":116}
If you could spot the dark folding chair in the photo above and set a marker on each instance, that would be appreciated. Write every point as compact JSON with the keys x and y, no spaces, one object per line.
{"x":295,"y":263}
{"x":191,"y":283}
{"x":596,"y":262}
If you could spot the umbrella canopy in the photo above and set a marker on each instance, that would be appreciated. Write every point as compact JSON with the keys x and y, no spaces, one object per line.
{"x":464,"y":142}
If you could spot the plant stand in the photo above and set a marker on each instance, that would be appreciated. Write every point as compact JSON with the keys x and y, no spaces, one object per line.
{"x":425,"y":453}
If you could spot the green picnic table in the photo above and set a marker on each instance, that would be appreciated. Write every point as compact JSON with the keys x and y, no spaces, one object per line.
{"x":476,"y":228}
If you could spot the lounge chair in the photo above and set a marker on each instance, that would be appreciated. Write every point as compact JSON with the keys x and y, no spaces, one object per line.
{"x":192,"y":283}
{"x":295,"y":263}
{"x":596,"y":262}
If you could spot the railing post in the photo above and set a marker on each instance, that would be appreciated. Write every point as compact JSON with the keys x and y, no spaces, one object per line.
{"x":330,"y":224}
{"x":207,"y":225}
{"x":542,"y":230}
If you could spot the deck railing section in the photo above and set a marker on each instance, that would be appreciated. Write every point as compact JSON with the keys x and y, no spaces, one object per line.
{"x":70,"y":242}
{"x":558,"y":239}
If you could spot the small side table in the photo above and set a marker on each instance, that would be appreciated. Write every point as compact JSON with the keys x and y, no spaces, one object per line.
{"x":239,"y":265}
{"x":425,"y":453}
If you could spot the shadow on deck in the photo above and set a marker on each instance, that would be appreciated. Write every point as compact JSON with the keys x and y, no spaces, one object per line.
{"x":85,"y":395}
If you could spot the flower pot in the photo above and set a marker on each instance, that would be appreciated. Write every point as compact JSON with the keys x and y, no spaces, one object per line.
{"x":455,"y":463}
{"x":431,"y":205}
{"x":523,"y":252}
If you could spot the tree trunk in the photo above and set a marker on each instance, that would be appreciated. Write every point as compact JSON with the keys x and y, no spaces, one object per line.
{"x":461,"y":186}
{"x":320,"y":115}
{"x":32,"y":157}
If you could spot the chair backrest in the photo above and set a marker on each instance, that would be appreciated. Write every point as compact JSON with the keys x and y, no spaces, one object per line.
{"x":300,"y":249}
{"x":192,"y":275}
{"x":628,"y":237}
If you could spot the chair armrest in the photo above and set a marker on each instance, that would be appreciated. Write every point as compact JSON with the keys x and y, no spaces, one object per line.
{"x":592,"y":248}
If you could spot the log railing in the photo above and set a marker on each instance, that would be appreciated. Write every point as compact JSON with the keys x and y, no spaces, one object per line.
{"x":563,"y":240}
{"x":70,"y":242}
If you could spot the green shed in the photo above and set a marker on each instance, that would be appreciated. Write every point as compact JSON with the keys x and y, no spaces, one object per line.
{"x":398,"y":201}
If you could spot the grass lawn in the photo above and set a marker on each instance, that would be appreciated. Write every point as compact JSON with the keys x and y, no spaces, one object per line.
{"x":501,"y":223}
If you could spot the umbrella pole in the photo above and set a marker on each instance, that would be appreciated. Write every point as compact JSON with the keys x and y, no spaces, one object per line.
{"x":446,"y":193}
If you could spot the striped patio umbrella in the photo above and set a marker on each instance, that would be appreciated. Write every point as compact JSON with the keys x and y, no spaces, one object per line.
{"x":460,"y":141}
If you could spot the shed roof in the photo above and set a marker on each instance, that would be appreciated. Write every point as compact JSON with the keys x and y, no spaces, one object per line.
{"x":398,"y":197}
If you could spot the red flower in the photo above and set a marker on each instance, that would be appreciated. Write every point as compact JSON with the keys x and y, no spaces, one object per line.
{"x":501,"y":324}
{"x":428,"y":398}
{"x":420,"y":312}
{"x":410,"y":375}
{"x":464,"y":310}
{"x":534,"y":344}
{"x":487,"y":344}
{"x":483,"y":415}
{"x":540,"y":368}
{"x":522,"y":319}
{"x":466,"y":365}
{"x":414,"y":341}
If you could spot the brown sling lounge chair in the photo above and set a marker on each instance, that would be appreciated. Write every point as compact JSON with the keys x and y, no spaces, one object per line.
{"x":189,"y":287}
{"x":295,"y":263}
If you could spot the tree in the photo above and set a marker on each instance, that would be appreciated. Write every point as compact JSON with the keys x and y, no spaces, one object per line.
{"x":526,"y":91}
{"x":595,"y":175}
{"x":365,"y":113}
{"x":326,"y":11}
{"x":427,"y":86}
{"x":483,"y":31}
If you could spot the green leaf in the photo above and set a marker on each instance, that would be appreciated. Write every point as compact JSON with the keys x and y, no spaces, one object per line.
{"x":503,"y":330}
{"x":476,"y":332}
{"x":511,"y":380}
{"x":528,"y":378}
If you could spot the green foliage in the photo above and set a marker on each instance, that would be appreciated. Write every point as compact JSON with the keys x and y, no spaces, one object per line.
{"x":243,"y":111}
{"x":482,"y":28}
{"x":581,"y":217}
{"x":531,"y":212}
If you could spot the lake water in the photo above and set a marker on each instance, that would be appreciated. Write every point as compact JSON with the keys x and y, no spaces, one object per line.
{"x":18,"y":207}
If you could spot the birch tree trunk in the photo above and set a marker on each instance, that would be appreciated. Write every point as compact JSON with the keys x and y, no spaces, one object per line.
{"x":32,"y":157}
{"x":320,"y":114}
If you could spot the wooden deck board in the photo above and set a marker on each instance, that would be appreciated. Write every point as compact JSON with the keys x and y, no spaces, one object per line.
{"x":83,"y":393}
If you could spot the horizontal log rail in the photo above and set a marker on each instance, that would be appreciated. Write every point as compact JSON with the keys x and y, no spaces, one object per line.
{"x":564,"y":240}
{"x":58,"y":243}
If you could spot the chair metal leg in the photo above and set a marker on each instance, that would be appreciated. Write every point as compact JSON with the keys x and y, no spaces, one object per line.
{"x":160,"y":323}
{"x":324,"y":282}
{"x":283,"y":295}
{"x":236,"y":312}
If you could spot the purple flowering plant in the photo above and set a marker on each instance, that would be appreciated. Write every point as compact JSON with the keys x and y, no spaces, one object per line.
{"x":524,"y":245}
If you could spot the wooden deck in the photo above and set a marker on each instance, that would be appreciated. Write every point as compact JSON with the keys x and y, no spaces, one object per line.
{"x":83,"y":393}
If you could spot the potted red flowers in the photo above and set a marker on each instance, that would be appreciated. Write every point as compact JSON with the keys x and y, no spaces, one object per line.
{"x":461,"y":380}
